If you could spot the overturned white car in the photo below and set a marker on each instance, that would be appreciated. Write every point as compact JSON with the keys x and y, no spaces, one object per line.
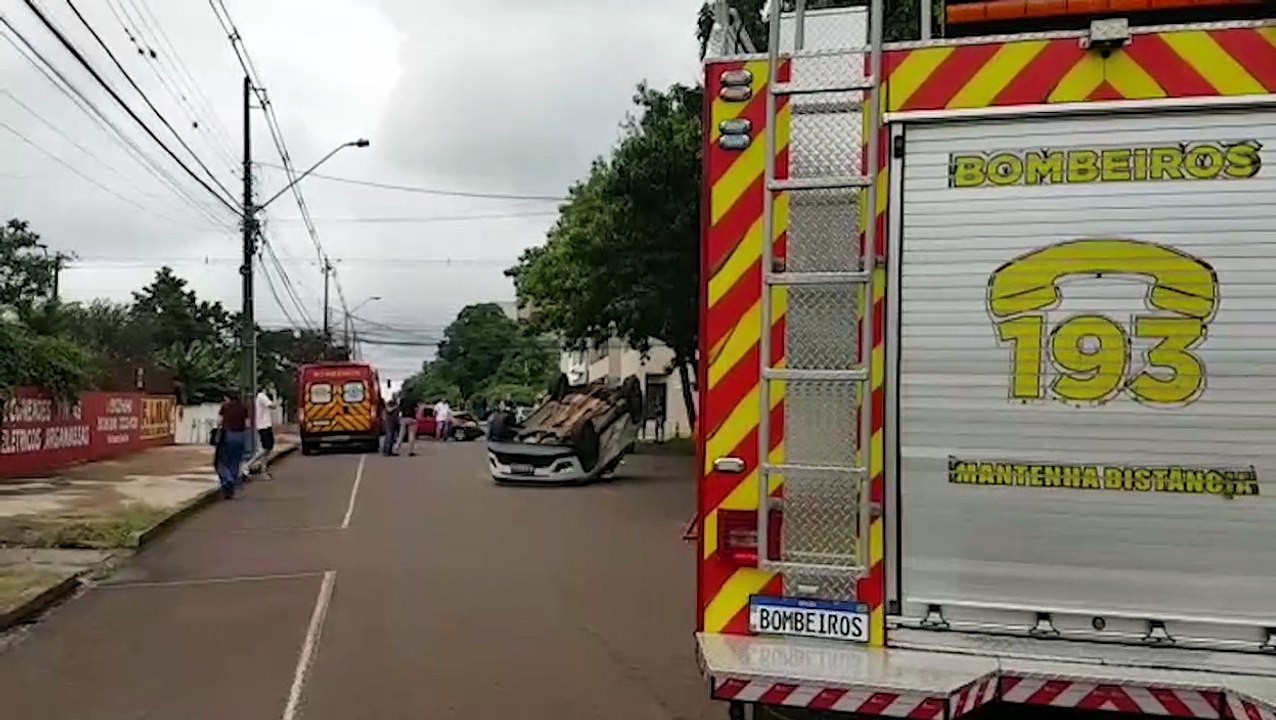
{"x":577,"y":435}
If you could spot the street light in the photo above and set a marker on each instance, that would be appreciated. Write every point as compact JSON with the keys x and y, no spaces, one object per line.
{"x":349,"y":324}
{"x":250,"y":229}
{"x":374,"y":298}
{"x":360,"y":143}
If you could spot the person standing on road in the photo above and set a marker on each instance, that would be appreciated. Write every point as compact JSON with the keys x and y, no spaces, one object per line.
{"x":442,"y":416}
{"x":232,"y":439}
{"x":390,"y":426}
{"x":407,"y":426}
{"x":265,"y":431}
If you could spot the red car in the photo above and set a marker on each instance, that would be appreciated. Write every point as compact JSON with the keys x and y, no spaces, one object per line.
{"x":463,"y":425}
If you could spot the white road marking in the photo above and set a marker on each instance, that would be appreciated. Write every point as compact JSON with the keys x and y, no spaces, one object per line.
{"x":311,"y":644}
{"x":209,"y":581}
{"x":354,"y":492}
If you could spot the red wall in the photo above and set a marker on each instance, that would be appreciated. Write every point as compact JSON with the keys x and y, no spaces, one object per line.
{"x":39,"y":434}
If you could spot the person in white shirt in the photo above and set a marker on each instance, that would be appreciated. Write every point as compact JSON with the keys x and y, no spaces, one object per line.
{"x":442,"y":417}
{"x":265,"y":421}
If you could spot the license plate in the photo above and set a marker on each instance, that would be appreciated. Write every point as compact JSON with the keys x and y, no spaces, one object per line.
{"x":847,"y":621}
{"x":520,"y":469}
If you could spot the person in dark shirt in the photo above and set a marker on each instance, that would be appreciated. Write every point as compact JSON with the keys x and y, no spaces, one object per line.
{"x":390,"y":426}
{"x":233,"y":438}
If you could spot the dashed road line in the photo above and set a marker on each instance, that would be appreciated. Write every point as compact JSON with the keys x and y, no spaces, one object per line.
{"x":354,"y":493}
{"x":207,"y":581}
{"x":311,"y":645}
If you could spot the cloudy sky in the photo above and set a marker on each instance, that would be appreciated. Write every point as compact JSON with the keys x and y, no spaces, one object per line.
{"x":499,"y":97}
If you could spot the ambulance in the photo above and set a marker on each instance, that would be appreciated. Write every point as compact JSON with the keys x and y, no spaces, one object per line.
{"x":339,"y":404}
{"x":988,"y":363}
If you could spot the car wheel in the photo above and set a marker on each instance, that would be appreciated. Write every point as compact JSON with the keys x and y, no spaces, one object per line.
{"x":559,"y":387}
{"x":585,"y":443}
{"x":458,"y":434}
{"x":307,"y":447}
{"x":631,"y":390}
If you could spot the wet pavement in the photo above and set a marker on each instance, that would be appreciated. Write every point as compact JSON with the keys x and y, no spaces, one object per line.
{"x":427,"y":593}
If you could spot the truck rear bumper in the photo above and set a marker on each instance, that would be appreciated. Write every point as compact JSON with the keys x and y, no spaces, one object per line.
{"x":946,"y":684}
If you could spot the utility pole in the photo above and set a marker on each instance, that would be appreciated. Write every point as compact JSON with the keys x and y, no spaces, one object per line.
{"x":249,"y":211}
{"x":57,"y":273}
{"x":327,"y":329}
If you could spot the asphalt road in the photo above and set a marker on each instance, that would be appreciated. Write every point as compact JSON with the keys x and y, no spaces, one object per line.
{"x":419,"y":590}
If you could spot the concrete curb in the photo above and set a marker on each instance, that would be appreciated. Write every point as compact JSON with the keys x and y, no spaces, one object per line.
{"x":38,"y":604}
{"x":62,"y":590}
{"x":67,"y":587}
{"x":150,"y":534}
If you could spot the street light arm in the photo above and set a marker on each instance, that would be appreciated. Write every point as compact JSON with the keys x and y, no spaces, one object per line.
{"x":355,"y":143}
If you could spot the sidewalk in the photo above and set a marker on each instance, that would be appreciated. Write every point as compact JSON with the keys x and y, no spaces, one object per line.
{"x":55,"y":529}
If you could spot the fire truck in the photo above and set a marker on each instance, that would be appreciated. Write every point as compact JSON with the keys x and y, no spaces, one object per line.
{"x":988,"y":362}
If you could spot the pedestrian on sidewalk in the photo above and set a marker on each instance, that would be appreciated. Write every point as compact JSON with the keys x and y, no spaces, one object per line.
{"x":442,"y":417}
{"x":390,"y":426}
{"x":265,"y":432}
{"x":232,"y":439}
{"x":407,"y":426}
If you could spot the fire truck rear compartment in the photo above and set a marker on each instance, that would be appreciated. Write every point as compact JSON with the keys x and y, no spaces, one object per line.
{"x":1123,"y":519}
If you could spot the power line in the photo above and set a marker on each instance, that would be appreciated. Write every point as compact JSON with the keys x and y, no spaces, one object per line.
{"x":145,"y":98}
{"x":429,"y":191}
{"x":63,"y":134}
{"x":79,"y":57}
{"x":270,"y":285}
{"x":124,"y":261}
{"x":289,"y":287}
{"x":427,"y":218}
{"x":182,"y":82}
{"x":276,"y":133}
{"x":86,"y":178}
{"x":68,"y":89}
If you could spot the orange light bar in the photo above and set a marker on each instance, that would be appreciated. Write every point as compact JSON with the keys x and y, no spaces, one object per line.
{"x":1002,"y":10}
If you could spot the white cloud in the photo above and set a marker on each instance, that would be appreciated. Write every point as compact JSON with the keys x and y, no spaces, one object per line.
{"x":488,"y":95}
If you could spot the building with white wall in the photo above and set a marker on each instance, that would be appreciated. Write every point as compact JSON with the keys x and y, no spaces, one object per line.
{"x":661,"y":384}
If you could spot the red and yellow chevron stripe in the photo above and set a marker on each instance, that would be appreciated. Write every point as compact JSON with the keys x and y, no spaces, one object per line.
{"x":339,"y":416}
{"x":730,"y":341}
{"x":1182,"y":63}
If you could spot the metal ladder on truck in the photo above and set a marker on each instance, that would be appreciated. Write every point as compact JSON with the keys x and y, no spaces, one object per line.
{"x":824,"y":283}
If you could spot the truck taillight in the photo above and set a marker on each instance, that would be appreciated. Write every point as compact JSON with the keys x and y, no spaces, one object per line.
{"x":738,"y":535}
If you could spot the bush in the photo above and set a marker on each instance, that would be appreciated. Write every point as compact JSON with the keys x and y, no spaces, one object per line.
{"x":56,"y":365}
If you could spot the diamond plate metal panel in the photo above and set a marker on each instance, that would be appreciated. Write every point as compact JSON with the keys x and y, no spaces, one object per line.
{"x":820,"y":423}
{"x":822,"y":327}
{"x":838,"y":28}
{"x":823,"y":234}
{"x":825,"y":144}
{"x":828,"y":587}
{"x":821,"y":521}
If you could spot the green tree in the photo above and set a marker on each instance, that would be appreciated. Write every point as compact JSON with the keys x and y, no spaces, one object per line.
{"x":483,"y":354}
{"x":26,"y":271}
{"x":178,"y":317}
{"x":205,"y":370}
{"x":56,"y":365}
{"x":476,"y":346}
{"x":281,"y":353}
{"x":623,"y":259}
{"x":111,"y":329}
